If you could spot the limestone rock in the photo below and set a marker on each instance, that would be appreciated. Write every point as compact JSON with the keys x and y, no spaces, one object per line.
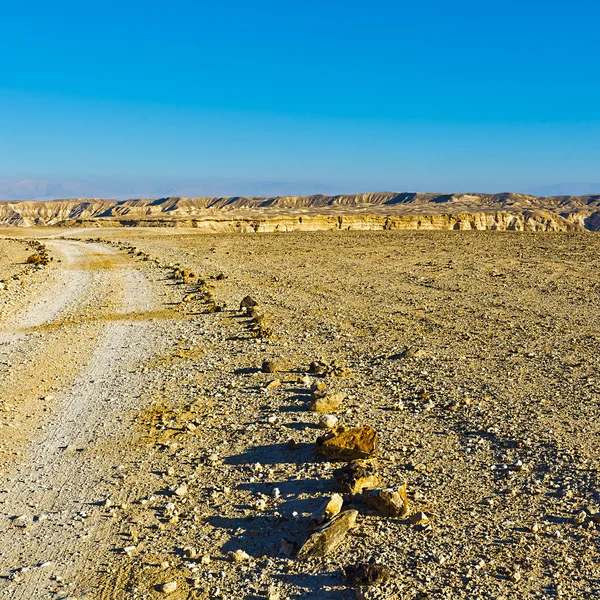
{"x":348,"y":444}
{"x":21,"y":521}
{"x":240,"y":556}
{"x":181,"y":490}
{"x":389,"y":502}
{"x":357,"y":476}
{"x":326,"y":402}
{"x":419,"y":518}
{"x":328,"y":421}
{"x":330,"y":508}
{"x":329,"y":536}
{"x":168,"y":588}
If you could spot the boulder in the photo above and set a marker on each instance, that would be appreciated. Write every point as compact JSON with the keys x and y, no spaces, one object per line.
{"x":329,"y":536}
{"x":348,"y":444}
{"x":389,"y":502}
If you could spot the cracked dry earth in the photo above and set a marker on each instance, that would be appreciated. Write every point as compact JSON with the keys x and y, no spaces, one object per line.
{"x":142,"y":445}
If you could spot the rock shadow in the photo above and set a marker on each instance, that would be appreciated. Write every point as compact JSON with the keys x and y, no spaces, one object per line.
{"x":274,"y":454}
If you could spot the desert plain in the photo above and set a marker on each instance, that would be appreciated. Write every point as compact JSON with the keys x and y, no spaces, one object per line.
{"x":156,"y":441}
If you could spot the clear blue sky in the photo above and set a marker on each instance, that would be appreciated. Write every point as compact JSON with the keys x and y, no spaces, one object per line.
{"x":437,"y":95}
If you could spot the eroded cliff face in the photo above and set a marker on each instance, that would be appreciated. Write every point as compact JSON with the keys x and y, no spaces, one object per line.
{"x":513,"y":212}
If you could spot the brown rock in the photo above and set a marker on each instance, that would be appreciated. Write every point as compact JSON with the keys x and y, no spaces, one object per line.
{"x":419,"y":518}
{"x":329,"y":536}
{"x":330,"y":508}
{"x":357,"y":476}
{"x":326,"y":403}
{"x":273,"y":384}
{"x":389,"y":502}
{"x":248,"y":302}
{"x":348,"y":444}
{"x":366,"y":574}
{"x":317,"y":367}
{"x":270,"y":366}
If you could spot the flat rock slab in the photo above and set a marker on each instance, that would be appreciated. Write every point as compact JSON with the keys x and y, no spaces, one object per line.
{"x":327,"y":538}
{"x":348,"y":444}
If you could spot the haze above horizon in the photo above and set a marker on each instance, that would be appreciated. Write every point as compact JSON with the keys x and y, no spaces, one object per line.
{"x":299,"y":98}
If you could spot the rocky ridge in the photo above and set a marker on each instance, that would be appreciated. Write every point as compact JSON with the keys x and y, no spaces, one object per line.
{"x":368,"y":211}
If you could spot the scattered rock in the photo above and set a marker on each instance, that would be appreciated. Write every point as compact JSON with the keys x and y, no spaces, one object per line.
{"x":419,"y":518}
{"x":273,"y":594}
{"x":328,"y":421}
{"x":326,"y":402}
{"x":329,"y":536}
{"x":168,"y":588}
{"x":271,"y":366}
{"x":377,"y":593}
{"x":367,"y":574}
{"x":317,"y":367}
{"x":334,"y":369}
{"x":273,"y":384}
{"x":389,"y":502}
{"x":411,"y":352}
{"x":21,"y":521}
{"x":348,"y":444}
{"x":515,"y":575}
{"x":328,"y":510}
{"x":181,"y":490}
{"x":248,"y":302}
{"x":239,"y":556}
{"x":357,"y":476}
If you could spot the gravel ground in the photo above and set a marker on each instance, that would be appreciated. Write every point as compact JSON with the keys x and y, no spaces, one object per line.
{"x":473,"y":355}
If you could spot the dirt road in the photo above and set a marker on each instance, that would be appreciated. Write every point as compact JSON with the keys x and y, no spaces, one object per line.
{"x":49,"y":503}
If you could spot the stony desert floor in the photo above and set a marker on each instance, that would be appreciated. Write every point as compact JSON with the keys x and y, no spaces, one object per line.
{"x":142,"y":443}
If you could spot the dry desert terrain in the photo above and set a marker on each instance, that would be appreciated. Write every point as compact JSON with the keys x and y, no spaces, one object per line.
{"x":156,"y":441}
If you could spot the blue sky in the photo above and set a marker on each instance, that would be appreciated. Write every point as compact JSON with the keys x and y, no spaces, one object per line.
{"x":436,"y":96}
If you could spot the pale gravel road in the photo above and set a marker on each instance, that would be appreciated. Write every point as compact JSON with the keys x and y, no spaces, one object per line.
{"x":63,"y":480}
{"x":70,"y":285}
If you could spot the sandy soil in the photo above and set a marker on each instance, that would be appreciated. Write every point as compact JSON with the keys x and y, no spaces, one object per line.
{"x":491,"y":419}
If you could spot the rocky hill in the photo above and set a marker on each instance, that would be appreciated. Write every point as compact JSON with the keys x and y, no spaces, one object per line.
{"x":383,"y":210}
